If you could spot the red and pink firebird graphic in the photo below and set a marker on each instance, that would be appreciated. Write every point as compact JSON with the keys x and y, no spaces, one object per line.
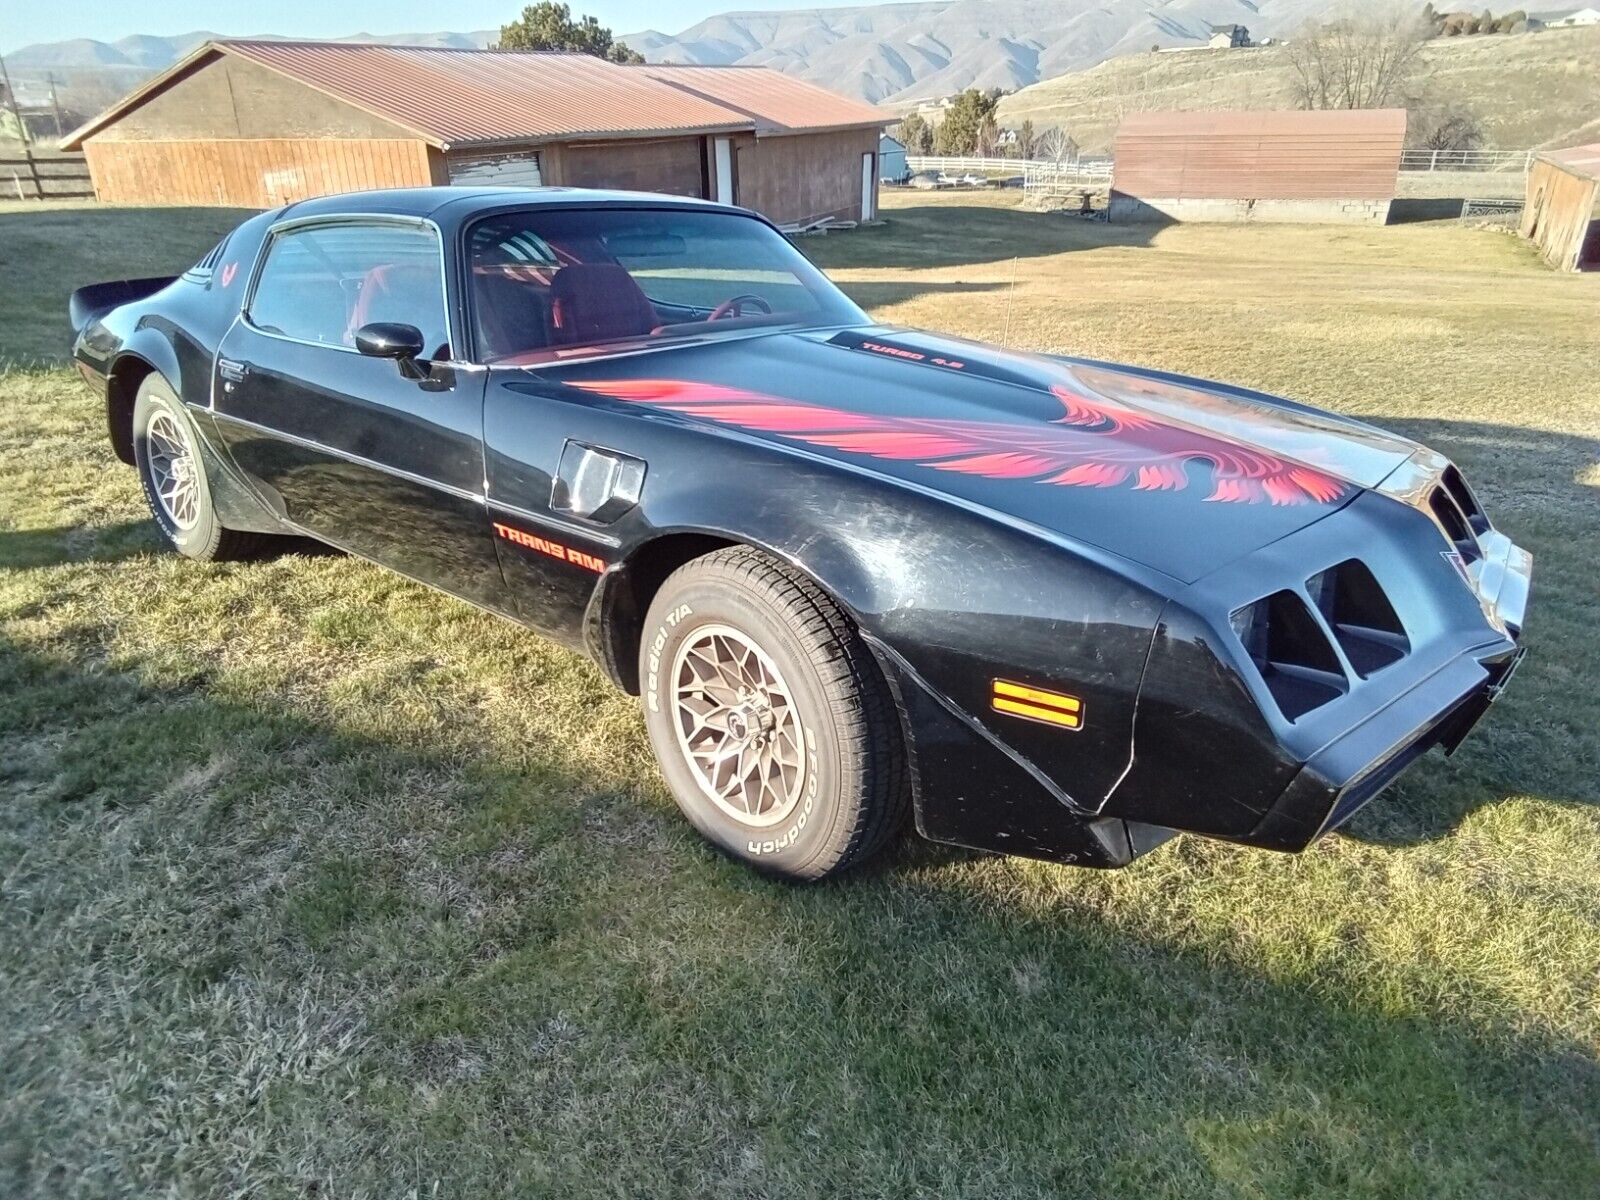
{"x":1092,"y":444}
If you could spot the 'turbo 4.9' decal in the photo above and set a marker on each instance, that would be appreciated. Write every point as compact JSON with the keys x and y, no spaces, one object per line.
{"x":1094,"y":443}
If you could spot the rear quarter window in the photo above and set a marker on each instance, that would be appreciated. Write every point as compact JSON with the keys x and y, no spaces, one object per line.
{"x":321,"y":283}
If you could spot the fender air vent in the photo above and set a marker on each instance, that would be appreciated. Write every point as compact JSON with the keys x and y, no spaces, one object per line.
{"x":1363,"y":621}
{"x":1290,"y":651}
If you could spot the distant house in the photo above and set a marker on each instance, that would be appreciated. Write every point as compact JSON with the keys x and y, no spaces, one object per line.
{"x":892,"y":165}
{"x":1228,"y":37}
{"x":1564,"y":19}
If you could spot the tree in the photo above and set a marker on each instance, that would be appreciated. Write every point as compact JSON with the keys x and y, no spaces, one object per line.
{"x":915,"y":134}
{"x":1056,"y":145}
{"x":1362,"y":60}
{"x":1027,"y":140}
{"x":1447,"y":128}
{"x":549,"y":26}
{"x":958,"y":132}
{"x":987,"y":143}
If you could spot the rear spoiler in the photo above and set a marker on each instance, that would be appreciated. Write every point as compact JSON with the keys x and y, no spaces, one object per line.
{"x":89,"y":304}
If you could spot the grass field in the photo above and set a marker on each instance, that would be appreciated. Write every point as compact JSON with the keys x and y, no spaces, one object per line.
{"x":1529,"y":90}
{"x":316,"y":883}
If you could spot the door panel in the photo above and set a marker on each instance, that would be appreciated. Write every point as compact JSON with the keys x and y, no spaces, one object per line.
{"x":348,"y":447}
{"x":349,"y":450}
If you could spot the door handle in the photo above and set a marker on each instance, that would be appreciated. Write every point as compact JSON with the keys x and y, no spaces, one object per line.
{"x":231,"y":370}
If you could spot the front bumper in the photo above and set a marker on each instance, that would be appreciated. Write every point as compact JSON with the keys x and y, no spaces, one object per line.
{"x":1352,"y":770}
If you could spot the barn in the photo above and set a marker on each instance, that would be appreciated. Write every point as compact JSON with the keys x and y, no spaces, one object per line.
{"x":1562,"y":213}
{"x":1319,"y":166}
{"x":262,"y":123}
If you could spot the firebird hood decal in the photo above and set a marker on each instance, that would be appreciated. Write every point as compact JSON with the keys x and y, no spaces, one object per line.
{"x":1094,"y":443}
{"x":1175,"y":473}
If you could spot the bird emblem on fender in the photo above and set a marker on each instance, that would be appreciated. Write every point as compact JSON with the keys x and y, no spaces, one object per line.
{"x":1092,"y":444}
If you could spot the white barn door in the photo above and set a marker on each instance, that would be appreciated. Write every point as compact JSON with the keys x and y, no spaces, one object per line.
{"x":869,"y":186}
{"x":515,"y":168}
{"x":722,"y":170}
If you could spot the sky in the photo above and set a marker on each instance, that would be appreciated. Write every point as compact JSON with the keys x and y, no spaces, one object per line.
{"x":23,"y":22}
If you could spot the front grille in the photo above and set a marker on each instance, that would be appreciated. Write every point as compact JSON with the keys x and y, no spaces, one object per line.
{"x":1458,"y":490}
{"x":1449,"y":517}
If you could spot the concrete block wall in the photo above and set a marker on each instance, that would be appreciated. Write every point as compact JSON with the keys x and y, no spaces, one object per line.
{"x":1146,"y":210}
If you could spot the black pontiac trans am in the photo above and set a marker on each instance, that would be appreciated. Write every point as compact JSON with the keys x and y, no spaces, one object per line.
{"x":1055,"y":607}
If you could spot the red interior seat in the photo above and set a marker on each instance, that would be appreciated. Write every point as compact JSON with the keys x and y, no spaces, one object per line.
{"x":597,"y":302}
{"x":408,"y":293}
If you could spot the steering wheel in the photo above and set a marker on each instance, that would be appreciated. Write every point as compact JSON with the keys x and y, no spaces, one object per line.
{"x":733,"y":306}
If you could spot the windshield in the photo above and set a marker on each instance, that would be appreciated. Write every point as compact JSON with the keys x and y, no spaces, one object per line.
{"x":550,"y":284}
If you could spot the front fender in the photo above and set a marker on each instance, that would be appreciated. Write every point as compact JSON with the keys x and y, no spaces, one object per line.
{"x":950,"y":600}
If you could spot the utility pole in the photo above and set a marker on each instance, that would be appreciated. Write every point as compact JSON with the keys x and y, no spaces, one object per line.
{"x":55,"y":103}
{"x":11,"y":103}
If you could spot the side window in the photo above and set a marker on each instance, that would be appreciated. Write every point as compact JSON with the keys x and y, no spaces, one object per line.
{"x":321,"y":283}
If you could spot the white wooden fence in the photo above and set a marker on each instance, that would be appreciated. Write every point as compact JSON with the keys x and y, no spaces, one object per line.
{"x":1043,"y":173}
{"x":1084,"y":168}
{"x":1465,"y":160}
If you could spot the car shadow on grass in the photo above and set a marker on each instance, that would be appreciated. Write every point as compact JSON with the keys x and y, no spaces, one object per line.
{"x":556,"y":981}
{"x":23,"y":549}
{"x":873,"y":294}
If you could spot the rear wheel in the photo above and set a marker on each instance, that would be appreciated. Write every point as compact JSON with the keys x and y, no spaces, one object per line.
{"x":166,"y":451}
{"x":773,"y":726}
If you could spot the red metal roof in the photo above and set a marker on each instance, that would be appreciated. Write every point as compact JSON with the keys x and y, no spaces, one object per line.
{"x":1338,"y":155}
{"x":1580,"y":160}
{"x":472,"y":96}
{"x":468,"y":97}
{"x":778,"y":103}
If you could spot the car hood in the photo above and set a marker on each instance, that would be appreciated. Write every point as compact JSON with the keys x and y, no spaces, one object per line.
{"x":1175,"y":473}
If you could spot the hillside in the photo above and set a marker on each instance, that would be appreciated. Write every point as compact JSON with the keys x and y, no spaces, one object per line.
{"x":881,"y":52}
{"x":1538,"y":89}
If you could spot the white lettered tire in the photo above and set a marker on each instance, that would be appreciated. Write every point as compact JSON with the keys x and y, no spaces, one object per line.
{"x":772,"y":723}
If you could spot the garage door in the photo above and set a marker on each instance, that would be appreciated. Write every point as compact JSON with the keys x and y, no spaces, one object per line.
{"x":514,"y":168}
{"x":672,"y":165}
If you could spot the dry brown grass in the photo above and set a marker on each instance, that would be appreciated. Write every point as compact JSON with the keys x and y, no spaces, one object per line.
{"x":314,"y":882}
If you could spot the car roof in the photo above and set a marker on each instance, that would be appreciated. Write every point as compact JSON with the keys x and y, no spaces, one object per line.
{"x":462,"y":202}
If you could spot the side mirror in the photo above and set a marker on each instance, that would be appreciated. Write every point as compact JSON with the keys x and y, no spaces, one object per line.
{"x":390,"y":339}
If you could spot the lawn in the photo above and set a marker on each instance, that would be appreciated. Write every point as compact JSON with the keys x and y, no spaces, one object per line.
{"x":316,"y":883}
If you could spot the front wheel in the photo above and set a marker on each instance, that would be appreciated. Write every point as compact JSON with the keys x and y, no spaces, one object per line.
{"x":166,"y":451}
{"x":773,"y":726}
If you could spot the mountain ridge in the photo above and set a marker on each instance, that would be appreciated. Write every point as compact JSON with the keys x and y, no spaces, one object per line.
{"x":892,"y":53}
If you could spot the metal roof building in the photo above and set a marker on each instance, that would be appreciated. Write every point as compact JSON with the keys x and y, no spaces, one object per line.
{"x":1562,"y":212}
{"x":258,"y":123}
{"x":1244,"y":166}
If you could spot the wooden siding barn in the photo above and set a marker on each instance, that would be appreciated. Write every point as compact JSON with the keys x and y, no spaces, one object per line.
{"x":1253,"y":166}
{"x":258,"y":124}
{"x":795,"y":159}
{"x":1562,"y":213}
